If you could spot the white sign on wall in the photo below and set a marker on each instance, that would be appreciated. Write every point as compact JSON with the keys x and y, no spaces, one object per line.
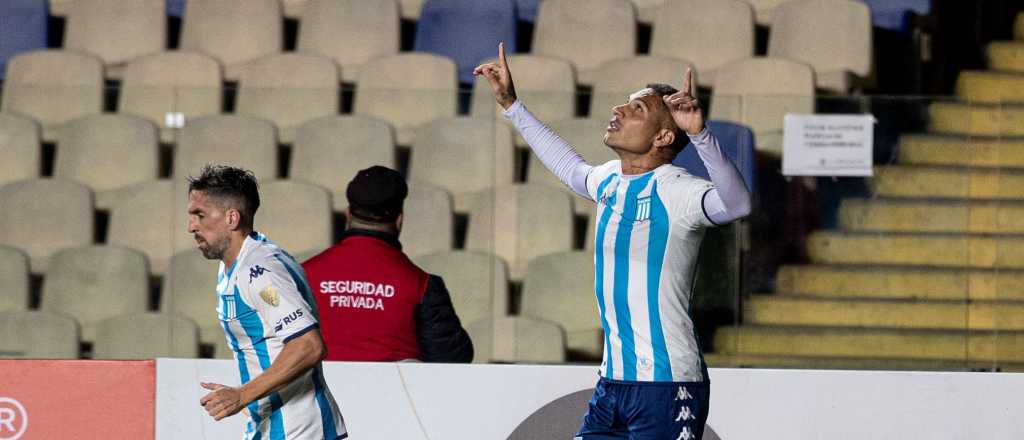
{"x":828,"y":145}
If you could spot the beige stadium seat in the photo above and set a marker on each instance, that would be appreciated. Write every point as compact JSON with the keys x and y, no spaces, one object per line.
{"x":294,"y":8}
{"x":708,"y":33}
{"x":647,"y":10}
{"x":116,"y":32}
{"x":587,"y":33}
{"x":428,"y":224}
{"x":53,"y":87}
{"x":235,"y":140}
{"x":560,"y":288}
{"x":288,"y":90}
{"x":765,"y":10}
{"x":143,"y":218}
{"x":517,"y":339}
{"x":586,"y":135}
{"x":146,"y":336}
{"x":617,"y":79}
{"x":411,"y":9}
{"x":519,"y":222}
{"x":833,"y":36}
{"x":160,"y":87}
{"x":350,"y":32}
{"x":463,"y":155}
{"x":759,"y":92}
{"x":234,"y":32}
{"x":329,"y":151}
{"x":60,"y":8}
{"x":477,"y":282}
{"x":295,"y":215}
{"x":92,"y":283}
{"x":42,"y":216}
{"x":20,"y":151}
{"x":407,"y":90}
{"x":190,"y":290}
{"x":37,"y":335}
{"x":107,"y":153}
{"x":13,"y":279}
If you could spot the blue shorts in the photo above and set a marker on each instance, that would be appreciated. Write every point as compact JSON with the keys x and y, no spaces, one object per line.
{"x":646,"y":411}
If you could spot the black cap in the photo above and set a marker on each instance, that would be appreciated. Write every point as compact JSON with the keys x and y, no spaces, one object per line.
{"x":376,"y":194}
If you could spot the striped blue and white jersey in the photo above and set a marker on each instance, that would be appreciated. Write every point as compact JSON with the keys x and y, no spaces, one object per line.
{"x":264,"y":301}
{"x":648,"y":233}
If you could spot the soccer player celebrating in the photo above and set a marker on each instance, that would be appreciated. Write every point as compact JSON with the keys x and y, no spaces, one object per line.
{"x":651,"y":218}
{"x":268,"y":315}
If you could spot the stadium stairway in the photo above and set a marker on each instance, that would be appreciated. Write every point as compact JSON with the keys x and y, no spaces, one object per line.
{"x":928,"y":274}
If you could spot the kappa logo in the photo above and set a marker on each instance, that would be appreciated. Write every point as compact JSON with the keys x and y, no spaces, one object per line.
{"x":255,"y":272}
{"x":686,"y":434}
{"x":683,"y":394}
{"x":685,"y":414}
{"x":13,"y":419}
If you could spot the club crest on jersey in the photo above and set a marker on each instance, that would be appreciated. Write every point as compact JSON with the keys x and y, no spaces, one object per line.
{"x":255,"y":272}
{"x":270,"y":296}
{"x":643,"y":209}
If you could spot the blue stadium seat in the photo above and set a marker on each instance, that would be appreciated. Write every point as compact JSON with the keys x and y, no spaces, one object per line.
{"x":467,"y":31}
{"x":526,"y":10}
{"x":892,"y":14}
{"x":23,"y":26}
{"x":737,"y":142}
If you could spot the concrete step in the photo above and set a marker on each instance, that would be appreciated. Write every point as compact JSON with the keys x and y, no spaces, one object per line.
{"x":716,"y":360}
{"x":961,"y":151}
{"x":1007,"y":56}
{"x":789,"y":310}
{"x":917,"y":215}
{"x":906,"y":283}
{"x":976,"y":119}
{"x":961,"y":346}
{"x":959,"y":183}
{"x":933,"y":250}
{"x":976,"y":86}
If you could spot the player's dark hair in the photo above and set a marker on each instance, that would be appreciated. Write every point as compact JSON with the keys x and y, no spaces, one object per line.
{"x":666,"y":90}
{"x":234,"y":186}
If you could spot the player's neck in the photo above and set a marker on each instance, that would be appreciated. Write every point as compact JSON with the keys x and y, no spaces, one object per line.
{"x":237,"y":241}
{"x":639,"y":164}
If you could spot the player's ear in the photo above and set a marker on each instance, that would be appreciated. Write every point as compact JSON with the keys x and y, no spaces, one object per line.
{"x":664,"y":138}
{"x":233,"y":219}
{"x":398,"y":222}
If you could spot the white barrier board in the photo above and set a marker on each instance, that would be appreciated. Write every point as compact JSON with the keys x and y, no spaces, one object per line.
{"x":828,"y":145}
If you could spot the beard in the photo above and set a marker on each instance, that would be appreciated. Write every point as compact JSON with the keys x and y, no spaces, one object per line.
{"x":213,"y":250}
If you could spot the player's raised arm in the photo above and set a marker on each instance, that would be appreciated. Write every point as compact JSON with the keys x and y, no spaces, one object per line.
{"x":500,"y":78}
{"x":730,"y":199}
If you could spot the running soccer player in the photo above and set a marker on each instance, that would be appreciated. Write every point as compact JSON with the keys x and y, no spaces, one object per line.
{"x":268,"y":315}
{"x":651,"y":218}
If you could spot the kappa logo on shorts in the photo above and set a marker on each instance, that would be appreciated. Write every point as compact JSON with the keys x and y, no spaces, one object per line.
{"x":682,"y":394}
{"x":255,"y":272}
{"x":685,"y":414}
{"x":686,"y":434}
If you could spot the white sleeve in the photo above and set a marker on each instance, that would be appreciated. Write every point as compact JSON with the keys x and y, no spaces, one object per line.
{"x":729,"y":200}
{"x":274,"y":294}
{"x":554,"y":152}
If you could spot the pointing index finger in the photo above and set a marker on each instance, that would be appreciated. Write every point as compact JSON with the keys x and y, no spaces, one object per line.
{"x":688,"y":81}
{"x":501,"y":56}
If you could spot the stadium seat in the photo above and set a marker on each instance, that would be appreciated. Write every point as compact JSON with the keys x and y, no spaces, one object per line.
{"x":159,"y":86}
{"x":519,"y":222}
{"x":736,"y":141}
{"x":13,"y":279}
{"x":833,"y":36}
{"x":294,"y":8}
{"x":234,"y":32}
{"x":107,"y":152}
{"x":351,"y":32}
{"x":92,"y":283}
{"x":295,"y":215}
{"x":116,"y":32}
{"x":190,"y":289}
{"x":517,"y":339}
{"x":53,"y":87}
{"x":709,"y":33}
{"x":894,"y":14}
{"x":146,"y":336}
{"x":330,"y":150}
{"x":467,"y":31}
{"x":428,"y":224}
{"x":647,"y":11}
{"x":31,"y":334}
{"x":236,"y":140}
{"x":24,"y":29}
{"x":407,"y":90}
{"x":586,"y":135}
{"x":20,"y":151}
{"x":560,"y":288}
{"x":617,"y":79}
{"x":42,"y":216}
{"x":477,"y":282}
{"x":759,"y":92}
{"x":547,"y":86}
{"x":288,"y":90}
{"x":143,"y":218}
{"x":411,"y":9}
{"x":587,"y":33}
{"x":764,"y":10}
{"x":462,"y":155}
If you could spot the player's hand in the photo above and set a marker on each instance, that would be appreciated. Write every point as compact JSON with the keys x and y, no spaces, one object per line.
{"x":684,"y":106}
{"x":223,"y":401}
{"x":500,"y":78}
